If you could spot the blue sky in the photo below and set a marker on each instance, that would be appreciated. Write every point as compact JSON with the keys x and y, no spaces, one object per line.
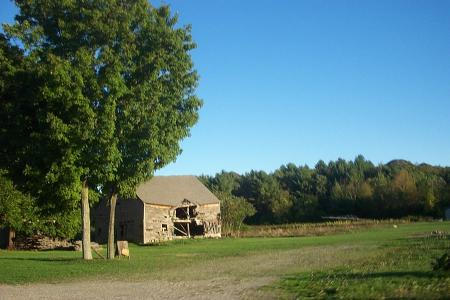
{"x":298,"y":81}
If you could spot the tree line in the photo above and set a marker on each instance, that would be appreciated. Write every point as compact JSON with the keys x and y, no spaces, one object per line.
{"x":340,"y":188}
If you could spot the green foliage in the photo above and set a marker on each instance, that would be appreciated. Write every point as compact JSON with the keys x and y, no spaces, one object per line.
{"x":117,"y":83}
{"x":46,"y":122}
{"x":227,"y":182}
{"x":17,"y":210}
{"x":156,"y":105}
{"x":305,"y":207}
{"x":264,"y":192}
{"x":234,"y":210}
{"x":297,"y":193}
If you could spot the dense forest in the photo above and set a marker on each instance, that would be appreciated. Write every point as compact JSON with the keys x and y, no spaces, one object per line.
{"x":340,"y":188}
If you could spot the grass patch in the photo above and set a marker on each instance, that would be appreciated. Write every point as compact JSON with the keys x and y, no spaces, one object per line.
{"x":401,"y":268}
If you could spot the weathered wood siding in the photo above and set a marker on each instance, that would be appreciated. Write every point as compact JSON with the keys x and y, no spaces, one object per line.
{"x":158,"y":223}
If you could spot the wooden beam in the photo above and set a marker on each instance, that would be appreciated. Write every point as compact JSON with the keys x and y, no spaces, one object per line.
{"x":188,"y":230}
{"x":176,"y":220}
{"x":180,"y":231}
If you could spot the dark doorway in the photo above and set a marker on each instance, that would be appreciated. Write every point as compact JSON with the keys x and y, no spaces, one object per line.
{"x":197,"y":229}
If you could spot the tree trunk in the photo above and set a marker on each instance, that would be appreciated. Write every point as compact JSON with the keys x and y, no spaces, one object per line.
{"x":112,"y":214}
{"x":11,"y":237}
{"x":87,"y":254}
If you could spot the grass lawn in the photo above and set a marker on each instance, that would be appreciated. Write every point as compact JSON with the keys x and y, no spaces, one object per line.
{"x":373,"y":263}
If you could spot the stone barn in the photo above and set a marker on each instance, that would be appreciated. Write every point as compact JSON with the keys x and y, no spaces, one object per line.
{"x":165,"y":208}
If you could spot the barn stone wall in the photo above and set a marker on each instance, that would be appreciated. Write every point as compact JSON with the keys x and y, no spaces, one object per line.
{"x":158,"y":223}
{"x":160,"y":227}
{"x":209,"y":214}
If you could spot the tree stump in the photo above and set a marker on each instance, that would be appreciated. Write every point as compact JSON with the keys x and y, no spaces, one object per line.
{"x":122,"y":249}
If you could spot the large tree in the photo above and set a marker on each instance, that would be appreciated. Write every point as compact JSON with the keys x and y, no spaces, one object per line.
{"x":113,"y":95}
{"x":156,"y":105}
{"x":69,"y":120}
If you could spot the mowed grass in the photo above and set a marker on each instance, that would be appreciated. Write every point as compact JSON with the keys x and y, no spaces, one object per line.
{"x":372,"y":263}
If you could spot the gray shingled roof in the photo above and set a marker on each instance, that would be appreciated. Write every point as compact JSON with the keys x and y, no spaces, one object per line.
{"x":172,"y":190}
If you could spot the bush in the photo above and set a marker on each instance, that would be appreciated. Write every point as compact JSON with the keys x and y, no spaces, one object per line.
{"x":234,"y":210}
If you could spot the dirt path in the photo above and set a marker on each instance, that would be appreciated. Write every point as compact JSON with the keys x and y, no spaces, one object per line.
{"x":239,"y":277}
{"x":218,"y":288}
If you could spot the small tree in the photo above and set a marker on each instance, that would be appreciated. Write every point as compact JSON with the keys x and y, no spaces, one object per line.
{"x":17,"y":210}
{"x":234,"y":210}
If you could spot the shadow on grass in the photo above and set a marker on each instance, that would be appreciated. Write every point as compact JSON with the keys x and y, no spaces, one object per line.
{"x":397,"y":274}
{"x":424,"y":238}
{"x":370,"y":275}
